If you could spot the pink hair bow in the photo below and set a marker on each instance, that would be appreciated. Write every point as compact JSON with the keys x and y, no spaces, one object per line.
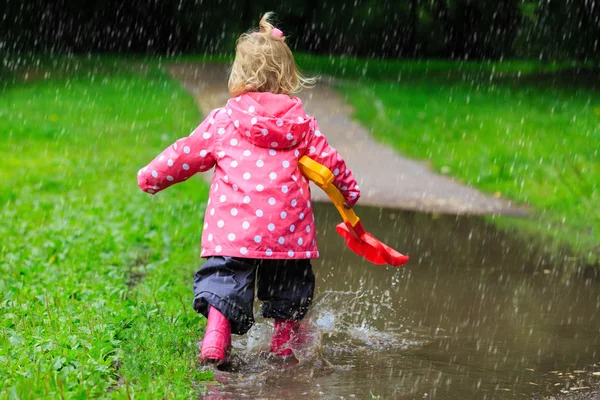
{"x":275,"y":32}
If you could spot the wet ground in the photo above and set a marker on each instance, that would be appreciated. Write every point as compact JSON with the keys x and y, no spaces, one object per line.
{"x":473,"y":315}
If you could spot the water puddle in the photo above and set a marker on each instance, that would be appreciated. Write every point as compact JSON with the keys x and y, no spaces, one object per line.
{"x":475,"y":314}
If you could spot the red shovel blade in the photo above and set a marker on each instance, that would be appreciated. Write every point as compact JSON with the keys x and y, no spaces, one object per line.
{"x":370,"y":248}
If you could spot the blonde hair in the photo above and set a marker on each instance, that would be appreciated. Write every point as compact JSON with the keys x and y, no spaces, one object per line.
{"x":264,"y":63}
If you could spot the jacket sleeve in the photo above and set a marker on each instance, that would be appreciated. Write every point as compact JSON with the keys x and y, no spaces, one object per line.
{"x":181,"y":160}
{"x":319,"y":150}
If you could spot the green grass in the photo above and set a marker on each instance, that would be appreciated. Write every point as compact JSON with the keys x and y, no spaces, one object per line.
{"x":95,"y":276}
{"x":441,"y":70}
{"x":531,"y":135}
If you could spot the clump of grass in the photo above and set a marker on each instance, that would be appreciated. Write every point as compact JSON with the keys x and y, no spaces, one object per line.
{"x":95,"y":276}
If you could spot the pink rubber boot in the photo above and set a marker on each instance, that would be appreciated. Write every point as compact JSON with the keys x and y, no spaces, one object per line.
{"x":217,"y":339}
{"x":282,"y":335}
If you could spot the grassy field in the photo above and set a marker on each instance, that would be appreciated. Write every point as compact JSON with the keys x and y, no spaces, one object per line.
{"x":527,"y":131}
{"x":95,"y":284}
{"x":95,"y":276}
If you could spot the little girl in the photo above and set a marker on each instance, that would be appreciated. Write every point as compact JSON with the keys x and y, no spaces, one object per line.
{"x":259,"y":222}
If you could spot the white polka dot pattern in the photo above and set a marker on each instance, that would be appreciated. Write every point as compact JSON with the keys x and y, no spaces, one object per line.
{"x":258,"y":201}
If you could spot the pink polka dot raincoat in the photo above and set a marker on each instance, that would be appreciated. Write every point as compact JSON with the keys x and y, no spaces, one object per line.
{"x":259,"y":204}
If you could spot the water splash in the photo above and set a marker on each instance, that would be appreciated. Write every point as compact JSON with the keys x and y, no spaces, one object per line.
{"x":330,"y":341}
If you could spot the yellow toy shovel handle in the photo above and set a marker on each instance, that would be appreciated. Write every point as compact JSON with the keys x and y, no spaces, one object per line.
{"x":352,"y":231}
{"x":323,"y":178}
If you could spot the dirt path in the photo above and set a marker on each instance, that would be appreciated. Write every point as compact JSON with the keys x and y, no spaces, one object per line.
{"x":385,"y":177}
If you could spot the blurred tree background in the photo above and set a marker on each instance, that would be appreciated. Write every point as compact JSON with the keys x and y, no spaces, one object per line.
{"x":453,"y":29}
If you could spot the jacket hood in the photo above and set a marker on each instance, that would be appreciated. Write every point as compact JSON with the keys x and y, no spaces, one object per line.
{"x":269,"y":120}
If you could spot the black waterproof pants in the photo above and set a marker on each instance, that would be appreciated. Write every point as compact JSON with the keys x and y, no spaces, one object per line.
{"x":286,"y":288}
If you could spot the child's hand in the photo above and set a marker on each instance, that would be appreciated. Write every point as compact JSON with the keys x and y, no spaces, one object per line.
{"x":347,"y":206}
